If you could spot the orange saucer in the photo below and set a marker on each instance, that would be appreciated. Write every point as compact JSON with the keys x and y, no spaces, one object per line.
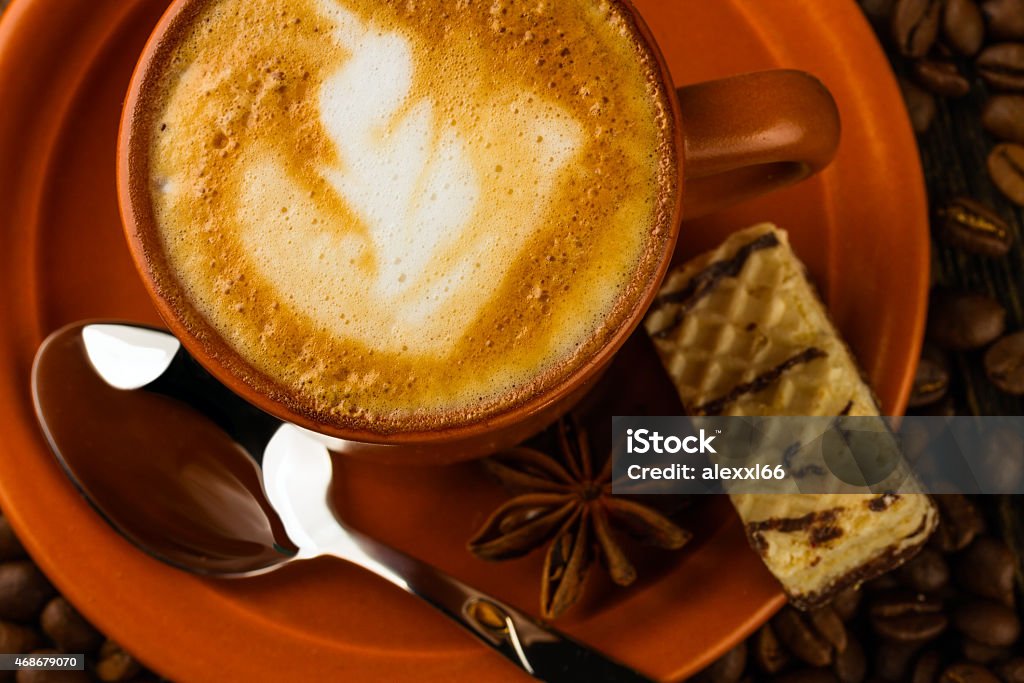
{"x":64,"y":68}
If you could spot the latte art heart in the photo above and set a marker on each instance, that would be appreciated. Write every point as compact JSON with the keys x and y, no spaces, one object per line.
{"x":396,"y":215}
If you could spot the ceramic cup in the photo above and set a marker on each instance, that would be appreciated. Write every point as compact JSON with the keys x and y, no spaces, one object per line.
{"x":734,"y":139}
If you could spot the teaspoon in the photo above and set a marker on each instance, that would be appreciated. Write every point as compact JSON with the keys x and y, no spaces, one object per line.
{"x":196,"y":477}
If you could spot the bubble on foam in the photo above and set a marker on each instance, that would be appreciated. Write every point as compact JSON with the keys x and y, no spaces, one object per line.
{"x":419,"y":197}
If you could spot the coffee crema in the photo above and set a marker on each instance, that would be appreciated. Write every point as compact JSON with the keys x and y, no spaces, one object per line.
{"x":403,"y":216}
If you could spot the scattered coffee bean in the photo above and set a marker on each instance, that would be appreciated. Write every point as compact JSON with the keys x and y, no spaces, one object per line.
{"x":927,"y":668}
{"x":1001,"y":461}
{"x":968,"y":224}
{"x":1004,"y":364}
{"x":800,"y":638}
{"x":926,"y":572}
{"x":963,"y":26}
{"x":893,"y":659}
{"x":878,"y":12}
{"x":1005,"y":18}
{"x":986,"y":569}
{"x":941,"y":77}
{"x":846,"y":603}
{"x":850,"y":665}
{"x":829,"y":626}
{"x":1003,"y":117}
{"x":1002,"y":66}
{"x":115,"y":664}
{"x":67,"y":628}
{"x":885,"y":582}
{"x":15,"y":638}
{"x":944,"y":407}
{"x":988,"y":622}
{"x":980,"y":652}
{"x":728,"y":668}
{"x":966,"y":672}
{"x":915,"y":25}
{"x":959,"y":522}
{"x":961,"y":321}
{"x":23,"y":590}
{"x":1012,"y":670}
{"x":907,"y":617}
{"x":10,"y":546}
{"x":769,"y":654}
{"x":920,"y":105}
{"x":931,"y":379}
{"x":1006,"y":167}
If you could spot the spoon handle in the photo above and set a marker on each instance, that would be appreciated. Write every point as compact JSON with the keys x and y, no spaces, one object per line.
{"x":534,"y":647}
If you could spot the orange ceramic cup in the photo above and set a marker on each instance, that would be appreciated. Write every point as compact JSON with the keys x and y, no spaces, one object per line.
{"x":735,"y":139}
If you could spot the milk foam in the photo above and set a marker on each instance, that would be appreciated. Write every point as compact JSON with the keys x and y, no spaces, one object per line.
{"x":398,"y":216}
{"x":434,"y":234}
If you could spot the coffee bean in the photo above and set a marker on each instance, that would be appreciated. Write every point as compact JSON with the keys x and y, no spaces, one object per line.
{"x":829,"y":626}
{"x":1006,"y":167}
{"x":115,"y":664}
{"x":23,"y":590}
{"x":931,"y":379}
{"x":846,"y":602}
{"x":927,"y":668}
{"x":728,"y":668}
{"x":1012,"y":670}
{"x":907,"y":617}
{"x":961,"y":321}
{"x":878,"y":12}
{"x":986,"y":569}
{"x":808,"y":676}
{"x":850,"y":665}
{"x":1005,"y":18}
{"x":959,"y":522}
{"x":915,"y":25}
{"x":966,"y":672}
{"x":988,"y":622}
{"x":980,"y":652}
{"x":1000,"y":464}
{"x":1002,"y":66}
{"x":940,"y":77}
{"x":893,"y":659}
{"x":945,"y":407}
{"x":920,"y":105}
{"x":801,"y":639}
{"x":885,"y":582}
{"x":15,"y":638}
{"x":963,"y":26}
{"x":926,"y":572}
{"x":1003,"y":117}
{"x":970,"y":225}
{"x":67,"y":628}
{"x":1004,"y":364}
{"x":769,"y":654}
{"x":10,"y":546}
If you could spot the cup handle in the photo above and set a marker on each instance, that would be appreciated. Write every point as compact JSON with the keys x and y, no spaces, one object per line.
{"x":751,"y":134}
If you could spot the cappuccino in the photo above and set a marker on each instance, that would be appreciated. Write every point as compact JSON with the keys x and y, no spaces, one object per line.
{"x":399,"y":216}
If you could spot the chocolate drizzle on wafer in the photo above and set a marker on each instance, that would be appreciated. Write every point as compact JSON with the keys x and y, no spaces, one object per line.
{"x":704,"y":282}
{"x":759,"y":383}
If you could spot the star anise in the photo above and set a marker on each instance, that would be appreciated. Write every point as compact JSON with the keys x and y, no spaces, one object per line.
{"x":562,"y":499}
